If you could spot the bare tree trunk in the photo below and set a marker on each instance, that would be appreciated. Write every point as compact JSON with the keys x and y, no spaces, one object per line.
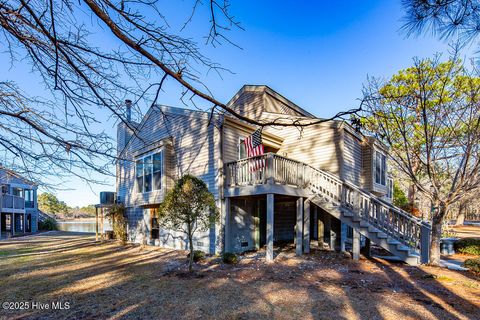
{"x":190,"y":241}
{"x":461,"y":214}
{"x":411,"y":196}
{"x":438,"y":216}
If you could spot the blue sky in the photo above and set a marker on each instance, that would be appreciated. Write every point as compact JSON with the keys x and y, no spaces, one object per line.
{"x":316,"y":53}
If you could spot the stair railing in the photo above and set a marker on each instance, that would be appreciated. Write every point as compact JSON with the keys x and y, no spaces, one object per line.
{"x":273,"y":168}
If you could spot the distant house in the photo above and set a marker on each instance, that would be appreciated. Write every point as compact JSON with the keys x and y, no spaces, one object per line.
{"x":18,"y":204}
{"x":325,"y":183}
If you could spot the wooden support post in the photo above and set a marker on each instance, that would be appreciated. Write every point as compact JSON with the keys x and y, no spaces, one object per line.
{"x":328,"y":235}
{"x":315,"y":223}
{"x":343,"y":236}
{"x":102,"y":231}
{"x":299,"y":228}
{"x":227,"y":230}
{"x":270,"y":226}
{"x":257,"y":224}
{"x":356,"y":245}
{"x":425,"y":238}
{"x":320,"y":233}
{"x":366,"y":251}
{"x":24,"y":222}
{"x":306,"y":227}
{"x":12,"y":224}
{"x":96,"y":224}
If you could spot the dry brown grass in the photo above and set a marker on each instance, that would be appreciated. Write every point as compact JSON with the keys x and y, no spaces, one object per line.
{"x":108,"y":281}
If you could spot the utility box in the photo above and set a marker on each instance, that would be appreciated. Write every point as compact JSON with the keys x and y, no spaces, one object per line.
{"x":107,"y":197}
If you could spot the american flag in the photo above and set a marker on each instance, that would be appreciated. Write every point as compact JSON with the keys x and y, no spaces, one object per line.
{"x":254,"y":147}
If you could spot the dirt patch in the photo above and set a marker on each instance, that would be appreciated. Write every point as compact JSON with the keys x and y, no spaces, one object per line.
{"x":106,"y":280}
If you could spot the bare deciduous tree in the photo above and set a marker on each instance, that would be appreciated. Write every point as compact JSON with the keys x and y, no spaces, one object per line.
{"x":60,"y":40}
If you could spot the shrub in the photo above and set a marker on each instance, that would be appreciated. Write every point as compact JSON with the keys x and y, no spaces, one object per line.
{"x":472,"y":264}
{"x":116,"y":215}
{"x":49,"y":224}
{"x":230,"y":258}
{"x":468,"y":246}
{"x":197,"y":255}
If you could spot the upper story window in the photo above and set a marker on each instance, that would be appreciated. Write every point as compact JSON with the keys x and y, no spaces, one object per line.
{"x":17,"y":192}
{"x":148,"y":172}
{"x":389,"y":188}
{"x":242,"y":152}
{"x":29,"y":200}
{"x":380,"y":166}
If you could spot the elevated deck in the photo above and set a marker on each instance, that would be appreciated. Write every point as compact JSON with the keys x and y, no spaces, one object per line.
{"x":388,"y":226}
{"x":12,"y":204}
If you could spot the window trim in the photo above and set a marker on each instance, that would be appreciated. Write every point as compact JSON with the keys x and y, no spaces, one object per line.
{"x":389,"y":194}
{"x":142,"y":157}
{"x":32,"y":191}
{"x":239,"y":146}
{"x":383,"y":164}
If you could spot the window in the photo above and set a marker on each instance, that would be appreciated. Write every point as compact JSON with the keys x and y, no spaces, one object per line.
{"x":242,"y":152}
{"x":157,"y":171}
{"x":139,"y":175}
{"x":17,"y":192}
{"x":29,"y":201}
{"x":149,"y":172}
{"x":389,"y":188}
{"x":380,"y":168}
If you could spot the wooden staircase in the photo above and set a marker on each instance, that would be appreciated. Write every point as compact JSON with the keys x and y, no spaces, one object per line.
{"x":395,"y":230}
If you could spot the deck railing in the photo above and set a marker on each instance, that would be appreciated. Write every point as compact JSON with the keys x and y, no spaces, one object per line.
{"x":12,"y":202}
{"x":398,"y":224}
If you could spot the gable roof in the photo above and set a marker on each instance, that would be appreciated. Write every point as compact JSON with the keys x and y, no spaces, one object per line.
{"x":163,"y":109}
{"x":12,"y":173}
{"x":269,"y":91}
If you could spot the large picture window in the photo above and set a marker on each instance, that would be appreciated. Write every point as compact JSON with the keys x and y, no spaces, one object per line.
{"x":149,"y":172}
{"x":380,"y":168}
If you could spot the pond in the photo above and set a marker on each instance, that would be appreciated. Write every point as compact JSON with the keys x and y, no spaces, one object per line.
{"x":77,"y":226}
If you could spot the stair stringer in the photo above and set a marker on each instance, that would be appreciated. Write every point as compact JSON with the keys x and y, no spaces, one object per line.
{"x":369,"y":231}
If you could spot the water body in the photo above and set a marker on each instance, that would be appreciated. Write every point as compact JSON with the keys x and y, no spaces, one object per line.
{"x":77,"y":226}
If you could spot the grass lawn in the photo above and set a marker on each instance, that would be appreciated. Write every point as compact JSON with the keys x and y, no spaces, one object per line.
{"x":107,"y":280}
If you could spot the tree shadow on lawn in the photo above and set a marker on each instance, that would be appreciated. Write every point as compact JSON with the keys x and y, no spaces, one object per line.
{"x":125,"y":282}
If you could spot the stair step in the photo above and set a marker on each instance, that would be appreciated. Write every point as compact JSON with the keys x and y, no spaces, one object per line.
{"x":381,"y":235}
{"x":364,"y":224}
{"x":403,"y":248}
{"x":393,"y":242}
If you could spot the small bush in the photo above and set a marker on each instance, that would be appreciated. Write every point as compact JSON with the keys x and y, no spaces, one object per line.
{"x":472,"y":264}
{"x":468,"y":246}
{"x":197,"y":255}
{"x":230,"y":258}
{"x":49,"y":224}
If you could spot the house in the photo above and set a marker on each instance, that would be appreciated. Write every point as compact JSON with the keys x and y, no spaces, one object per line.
{"x":325,"y":183}
{"x":18,"y":204}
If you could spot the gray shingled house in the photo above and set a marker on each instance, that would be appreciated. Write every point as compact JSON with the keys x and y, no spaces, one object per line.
{"x":327,"y":183}
{"x":18,"y":204}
